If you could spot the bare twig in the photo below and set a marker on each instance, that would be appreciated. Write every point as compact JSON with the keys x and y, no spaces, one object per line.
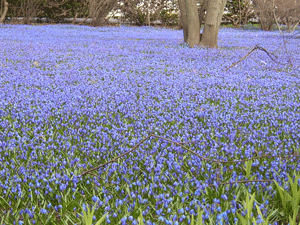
{"x":120,"y":156}
{"x":214,"y":160}
{"x":100,"y":177}
{"x":275,"y":17}
{"x":233,"y":64}
{"x":189,"y":150}
{"x":95,"y":175}
{"x":242,"y":181}
{"x":188,"y":142}
{"x":272,"y":56}
{"x":257,"y":47}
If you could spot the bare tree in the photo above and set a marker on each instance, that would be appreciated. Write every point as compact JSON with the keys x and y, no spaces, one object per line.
{"x":29,"y":9}
{"x":154,"y":7}
{"x":79,"y":9}
{"x":214,"y":14}
{"x":193,"y":22}
{"x":169,"y":14}
{"x":264,"y":11}
{"x":183,"y":19}
{"x":141,"y":11}
{"x":202,"y":11}
{"x":285,"y":12}
{"x":4,"y":9}
{"x":214,"y":11}
{"x":99,"y":9}
{"x":56,"y":10}
{"x":239,"y":11}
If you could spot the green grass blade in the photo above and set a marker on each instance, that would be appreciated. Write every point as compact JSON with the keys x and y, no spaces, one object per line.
{"x":249,"y":204}
{"x":248,"y":168}
{"x":141,"y":219}
{"x":101,"y":219}
{"x":280,"y":191}
{"x":199,"y":220}
{"x":242,"y":219}
{"x":192,"y":220}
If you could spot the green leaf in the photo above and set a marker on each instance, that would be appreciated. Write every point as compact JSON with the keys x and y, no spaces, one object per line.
{"x":259,"y":212}
{"x":295,"y":193}
{"x":249,"y":204}
{"x":280,"y":191}
{"x":242,"y":219}
{"x":199,"y":220}
{"x":85,"y":217}
{"x":141,"y":219}
{"x":266,"y":220}
{"x":101,"y":219}
{"x":254,"y":221}
{"x":192,"y":220}
{"x":293,"y":186}
{"x":88,"y":217}
{"x":4,"y":201}
{"x":291,"y":221}
{"x":248,"y":168}
{"x":128,"y":191}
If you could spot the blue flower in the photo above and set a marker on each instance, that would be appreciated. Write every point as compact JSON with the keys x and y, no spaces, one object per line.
{"x":224,"y":197}
{"x":161,"y":218}
{"x":108,"y":97}
{"x":95,"y":198}
{"x":43,"y":211}
{"x":123,"y":220}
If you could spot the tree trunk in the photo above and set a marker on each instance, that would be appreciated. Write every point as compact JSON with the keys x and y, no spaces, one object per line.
{"x":4,"y":11}
{"x":215,"y":9}
{"x":193,"y":23}
{"x":179,"y":24}
{"x":202,"y":12}
{"x":183,"y":19}
{"x":148,"y":14}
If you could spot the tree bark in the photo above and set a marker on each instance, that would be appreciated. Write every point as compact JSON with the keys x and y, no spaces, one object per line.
{"x":148,"y":14}
{"x":179,"y":24}
{"x":193,"y":23}
{"x":202,"y":12}
{"x":215,"y":9}
{"x":2,"y":18}
{"x":183,"y":19}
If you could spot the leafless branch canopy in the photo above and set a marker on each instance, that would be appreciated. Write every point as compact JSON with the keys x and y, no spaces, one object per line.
{"x":285,"y":12}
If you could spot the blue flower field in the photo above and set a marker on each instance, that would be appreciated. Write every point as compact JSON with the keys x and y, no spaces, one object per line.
{"x":186,"y":135}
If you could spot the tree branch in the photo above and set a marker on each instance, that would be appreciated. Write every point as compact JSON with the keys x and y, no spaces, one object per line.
{"x":2,"y":18}
{"x":189,"y":150}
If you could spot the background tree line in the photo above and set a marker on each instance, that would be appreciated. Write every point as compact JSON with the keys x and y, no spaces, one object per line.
{"x":144,"y":12}
{"x":189,"y":15}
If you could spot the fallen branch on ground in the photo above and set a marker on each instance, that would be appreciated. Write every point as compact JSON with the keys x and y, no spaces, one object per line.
{"x":242,"y":181}
{"x":257,"y":47}
{"x":189,"y":150}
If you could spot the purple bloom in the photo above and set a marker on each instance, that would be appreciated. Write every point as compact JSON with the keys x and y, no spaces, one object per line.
{"x":73,"y":97}
{"x":43,"y":211}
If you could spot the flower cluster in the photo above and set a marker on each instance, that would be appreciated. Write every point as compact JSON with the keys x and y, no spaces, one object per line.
{"x":74,"y":97}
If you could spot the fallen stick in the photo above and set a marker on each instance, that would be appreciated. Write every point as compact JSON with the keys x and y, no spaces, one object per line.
{"x":257,"y":47}
{"x":189,"y":150}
